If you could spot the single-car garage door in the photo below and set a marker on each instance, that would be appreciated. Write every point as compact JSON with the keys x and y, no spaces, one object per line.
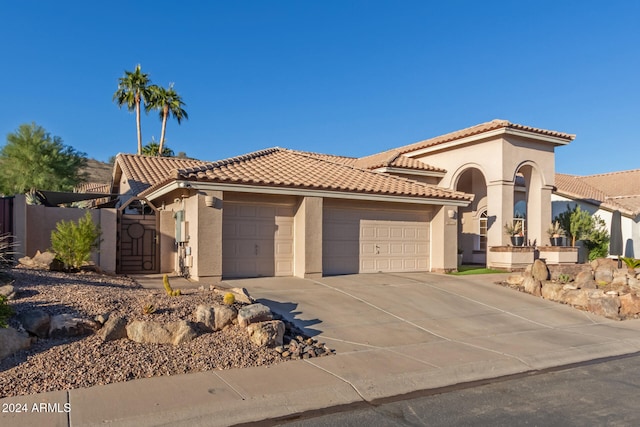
{"x":371,"y":241}
{"x":257,"y":240}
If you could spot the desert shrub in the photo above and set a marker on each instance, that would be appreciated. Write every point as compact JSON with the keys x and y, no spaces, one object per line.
{"x":7,"y":245}
{"x":564,"y":278}
{"x":73,"y":242}
{"x":581,"y":225}
{"x":148,"y":309}
{"x":5,"y":311}
{"x":229,"y":298}
{"x":597,"y":240}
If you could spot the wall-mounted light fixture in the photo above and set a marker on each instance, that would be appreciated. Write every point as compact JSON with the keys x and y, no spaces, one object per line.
{"x":451,"y":214}
{"x":209,"y":201}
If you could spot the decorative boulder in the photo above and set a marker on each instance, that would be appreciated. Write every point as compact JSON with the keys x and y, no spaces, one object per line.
{"x":553,"y":291}
{"x":35,"y":322}
{"x":584,"y":277}
{"x":8,"y":291}
{"x":629,"y":305}
{"x":269,"y":334}
{"x":603,"y":274}
{"x":577,"y":297}
{"x":12,"y":341}
{"x":607,"y":306}
{"x":253,"y":313}
{"x":223,"y":316}
{"x":204,"y":315}
{"x":65,"y":325}
{"x":515,"y":279}
{"x":532,"y":286}
{"x":153,"y":332}
{"x":113,"y":329}
{"x":540,"y":271}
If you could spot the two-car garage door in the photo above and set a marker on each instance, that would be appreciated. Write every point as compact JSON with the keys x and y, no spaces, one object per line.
{"x":258,"y":239}
{"x":371,"y":241}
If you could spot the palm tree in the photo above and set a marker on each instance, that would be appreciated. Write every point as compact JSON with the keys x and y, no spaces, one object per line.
{"x":169,"y":103}
{"x":132,"y":91}
{"x":152,"y":149}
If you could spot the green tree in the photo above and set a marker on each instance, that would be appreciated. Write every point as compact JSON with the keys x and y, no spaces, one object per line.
{"x":152,"y":149}
{"x":32,"y":158}
{"x":133,"y":91}
{"x":169,"y":104}
{"x":581,"y":225}
{"x":576,"y":223}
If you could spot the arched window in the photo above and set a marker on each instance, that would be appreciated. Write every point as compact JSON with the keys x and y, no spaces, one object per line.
{"x":482,"y":232}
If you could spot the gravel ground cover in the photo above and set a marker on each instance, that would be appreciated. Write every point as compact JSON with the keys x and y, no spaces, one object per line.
{"x":62,"y":364}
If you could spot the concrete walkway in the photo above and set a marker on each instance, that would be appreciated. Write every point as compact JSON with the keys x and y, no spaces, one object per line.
{"x":394,"y":334}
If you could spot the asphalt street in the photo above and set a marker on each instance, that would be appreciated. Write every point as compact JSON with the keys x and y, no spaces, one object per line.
{"x":605,"y":393}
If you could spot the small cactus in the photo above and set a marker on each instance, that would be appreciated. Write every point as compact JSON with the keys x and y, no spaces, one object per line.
{"x":148,"y":309}
{"x":229,"y":298}
{"x":167,"y":287}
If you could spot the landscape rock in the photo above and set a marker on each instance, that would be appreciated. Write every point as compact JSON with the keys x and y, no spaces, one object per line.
{"x":11,"y":341}
{"x":629,"y":305}
{"x":584,"y":277}
{"x":532,"y":286}
{"x":577,"y":297}
{"x":35,"y":322}
{"x":66,"y":325}
{"x":619,"y":280}
{"x":515,"y":279}
{"x":204,"y":316}
{"x":269,"y":334}
{"x":607,"y":306}
{"x":224,"y":316}
{"x":102,"y":318}
{"x":44,"y":260}
{"x":153,"y":332}
{"x":604,"y":263}
{"x":253,"y":313}
{"x":603,"y":274}
{"x":113,"y":329}
{"x":540,"y":271}
{"x":634,"y":283}
{"x":553,"y":291}
{"x":8,"y":291}
{"x":589,"y":284}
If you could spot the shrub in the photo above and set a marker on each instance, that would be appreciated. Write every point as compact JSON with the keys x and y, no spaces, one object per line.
{"x":581,"y":225}
{"x":148,"y":309}
{"x":5,"y":311}
{"x":73,"y":242}
{"x":7,"y":244}
{"x":229,"y":298}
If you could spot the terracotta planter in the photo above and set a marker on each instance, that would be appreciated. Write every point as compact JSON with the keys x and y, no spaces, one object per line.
{"x":556,"y":241}
{"x":517,"y":240}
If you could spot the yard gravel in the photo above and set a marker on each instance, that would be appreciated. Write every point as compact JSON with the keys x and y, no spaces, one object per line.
{"x":69,"y":363}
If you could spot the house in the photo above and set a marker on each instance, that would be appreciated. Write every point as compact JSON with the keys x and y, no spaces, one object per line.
{"x":601,"y":195}
{"x":283,"y":212}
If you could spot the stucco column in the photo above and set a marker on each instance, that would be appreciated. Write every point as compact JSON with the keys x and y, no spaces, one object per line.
{"x":444,"y":239}
{"x":308,"y":238}
{"x":499,"y":211}
{"x":205,"y":230}
{"x":539,"y":215}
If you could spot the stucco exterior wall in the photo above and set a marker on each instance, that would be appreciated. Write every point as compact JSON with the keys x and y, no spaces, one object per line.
{"x":308,"y":238}
{"x":33,"y":225}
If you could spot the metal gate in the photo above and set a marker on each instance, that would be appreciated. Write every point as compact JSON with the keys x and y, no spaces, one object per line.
{"x":138,"y":244}
{"x":6,"y":215}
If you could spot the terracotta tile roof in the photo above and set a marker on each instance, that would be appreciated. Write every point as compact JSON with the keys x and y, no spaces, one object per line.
{"x":616,"y":190}
{"x":278,"y":167}
{"x":143,"y":172}
{"x":393,"y":158}
{"x":478,"y":129}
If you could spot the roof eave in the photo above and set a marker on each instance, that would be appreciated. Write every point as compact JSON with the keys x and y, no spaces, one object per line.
{"x":296,"y":191}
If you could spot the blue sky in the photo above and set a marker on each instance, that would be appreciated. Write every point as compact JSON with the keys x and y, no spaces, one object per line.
{"x":343,"y":77}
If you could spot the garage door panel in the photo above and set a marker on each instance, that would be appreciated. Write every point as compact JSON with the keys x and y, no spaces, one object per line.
{"x":374,"y":241}
{"x":257,"y":240}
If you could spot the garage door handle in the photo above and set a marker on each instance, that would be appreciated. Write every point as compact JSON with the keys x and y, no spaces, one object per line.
{"x":256,"y":249}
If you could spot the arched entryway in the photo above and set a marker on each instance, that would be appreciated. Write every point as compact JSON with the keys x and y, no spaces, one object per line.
{"x":473,"y":220}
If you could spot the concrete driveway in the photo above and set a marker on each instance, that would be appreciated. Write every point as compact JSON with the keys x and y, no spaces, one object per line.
{"x":398,"y":333}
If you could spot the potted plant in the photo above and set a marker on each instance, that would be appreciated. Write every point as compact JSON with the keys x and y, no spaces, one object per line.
{"x":555,"y":233}
{"x":514,"y":230}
